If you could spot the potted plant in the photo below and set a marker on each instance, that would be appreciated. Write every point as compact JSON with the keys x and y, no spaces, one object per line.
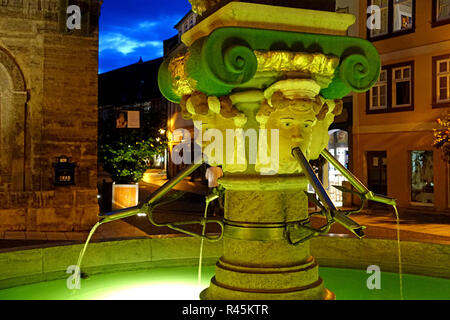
{"x":127,"y":160}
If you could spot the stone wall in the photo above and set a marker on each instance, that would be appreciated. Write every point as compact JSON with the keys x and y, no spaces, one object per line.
{"x":48,"y":108}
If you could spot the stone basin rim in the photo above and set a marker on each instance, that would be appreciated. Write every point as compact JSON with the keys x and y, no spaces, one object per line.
{"x":23,"y":267}
{"x":263,"y":182}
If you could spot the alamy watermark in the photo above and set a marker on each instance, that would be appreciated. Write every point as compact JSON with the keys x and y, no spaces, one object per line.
{"x":374,"y":20}
{"x":74,"y":19}
{"x":374,"y":281}
{"x":73,"y":281}
{"x":230,"y":149}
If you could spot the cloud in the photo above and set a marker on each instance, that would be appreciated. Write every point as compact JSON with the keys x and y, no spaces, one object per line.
{"x":125,"y":45}
{"x":126,"y":13}
{"x":133,"y":29}
{"x":148,"y":24}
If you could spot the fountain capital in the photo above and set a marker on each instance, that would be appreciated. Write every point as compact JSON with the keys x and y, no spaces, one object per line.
{"x":240,"y":73}
{"x":204,"y":7}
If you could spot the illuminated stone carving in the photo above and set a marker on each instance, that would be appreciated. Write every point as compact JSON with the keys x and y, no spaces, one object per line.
{"x":200,"y":6}
{"x":281,"y":89}
{"x":302,"y":117}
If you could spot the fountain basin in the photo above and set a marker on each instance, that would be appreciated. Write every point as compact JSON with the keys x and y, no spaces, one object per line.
{"x":180,"y":283}
{"x":150,"y":265}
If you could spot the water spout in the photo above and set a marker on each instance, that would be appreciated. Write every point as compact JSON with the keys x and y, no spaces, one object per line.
{"x":81,"y":256}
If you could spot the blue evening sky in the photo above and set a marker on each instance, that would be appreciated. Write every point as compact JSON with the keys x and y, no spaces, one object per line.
{"x":136,"y":28}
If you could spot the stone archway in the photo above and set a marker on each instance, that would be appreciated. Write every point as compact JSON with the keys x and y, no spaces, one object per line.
{"x":13,"y":98}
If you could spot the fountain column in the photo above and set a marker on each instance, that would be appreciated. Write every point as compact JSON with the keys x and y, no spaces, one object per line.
{"x":258,"y":263}
{"x":249,"y":68}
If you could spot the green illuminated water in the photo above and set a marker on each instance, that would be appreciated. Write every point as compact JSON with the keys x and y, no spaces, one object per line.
{"x":181,"y":283}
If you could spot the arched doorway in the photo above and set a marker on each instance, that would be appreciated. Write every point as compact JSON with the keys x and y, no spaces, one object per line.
{"x":13,"y":99}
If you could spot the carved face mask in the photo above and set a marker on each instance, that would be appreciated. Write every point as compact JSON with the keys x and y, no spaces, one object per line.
{"x":294,"y":130}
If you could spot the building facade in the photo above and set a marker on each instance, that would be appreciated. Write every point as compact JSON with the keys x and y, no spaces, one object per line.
{"x":173,"y":47}
{"x":48,"y":103}
{"x":393,"y":123}
{"x":134,"y":89}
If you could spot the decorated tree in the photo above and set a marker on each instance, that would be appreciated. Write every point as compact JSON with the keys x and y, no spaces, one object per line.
{"x":442,"y":135}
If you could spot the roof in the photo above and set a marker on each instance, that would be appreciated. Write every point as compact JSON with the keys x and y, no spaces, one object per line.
{"x":131,"y":84}
{"x":184,"y":18}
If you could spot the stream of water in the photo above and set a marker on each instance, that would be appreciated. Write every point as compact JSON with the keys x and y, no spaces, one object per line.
{"x":80,"y":257}
{"x":200,"y":257}
{"x":399,"y":253}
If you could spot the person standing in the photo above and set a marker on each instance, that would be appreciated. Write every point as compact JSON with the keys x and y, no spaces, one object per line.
{"x":212,"y":175}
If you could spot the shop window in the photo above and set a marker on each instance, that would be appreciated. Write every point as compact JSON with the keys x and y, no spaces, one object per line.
{"x":422,"y":177}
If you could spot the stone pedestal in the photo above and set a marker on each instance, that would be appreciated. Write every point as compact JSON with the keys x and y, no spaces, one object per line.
{"x":258,"y":262}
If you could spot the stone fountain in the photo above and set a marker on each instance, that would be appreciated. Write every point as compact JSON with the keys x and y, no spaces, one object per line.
{"x":276,"y":75}
{"x":269,"y":79}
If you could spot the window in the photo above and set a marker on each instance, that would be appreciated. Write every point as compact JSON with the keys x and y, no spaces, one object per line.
{"x":422,"y":177}
{"x":441,"y":12}
{"x":378,"y":94}
{"x":397,"y":18}
{"x":384,"y":9}
{"x":441,"y":81}
{"x":401,"y":86}
{"x":394,"y":90}
{"x":403,"y":15}
{"x":343,"y":10}
{"x":443,"y":77}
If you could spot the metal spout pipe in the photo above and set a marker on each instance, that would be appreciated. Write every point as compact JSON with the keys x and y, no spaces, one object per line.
{"x":166,"y":187}
{"x":347,"y":174}
{"x":361,"y":188}
{"x":154,"y":197}
{"x":315,"y":182}
{"x":349,"y":224}
{"x":336,"y":216}
{"x":120,"y":214}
